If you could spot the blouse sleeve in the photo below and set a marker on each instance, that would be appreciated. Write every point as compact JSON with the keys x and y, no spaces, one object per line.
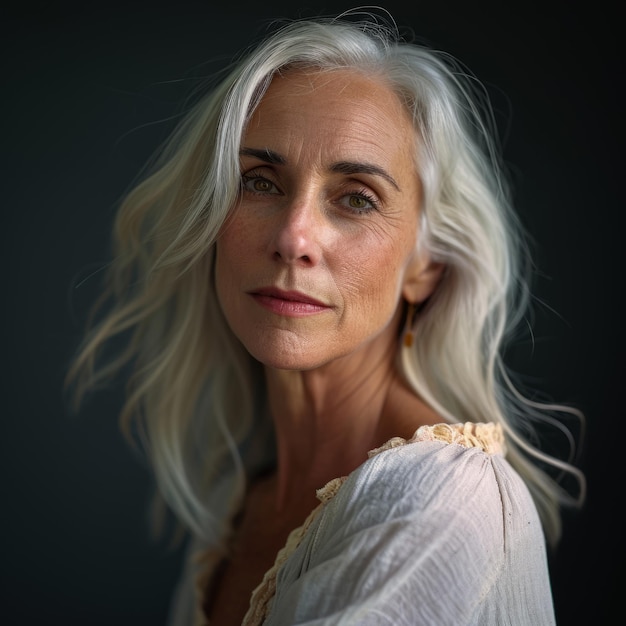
{"x":425,"y":533}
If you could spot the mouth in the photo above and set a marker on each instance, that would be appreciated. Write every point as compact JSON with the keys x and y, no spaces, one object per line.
{"x":289,"y":296}
{"x":288,"y":303}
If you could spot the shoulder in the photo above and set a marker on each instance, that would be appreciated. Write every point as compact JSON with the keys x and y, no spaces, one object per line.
{"x":452,"y":474}
{"x":441,"y":448}
{"x":450,"y":456}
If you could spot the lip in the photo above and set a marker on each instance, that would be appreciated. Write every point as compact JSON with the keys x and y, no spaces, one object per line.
{"x":288,"y":303}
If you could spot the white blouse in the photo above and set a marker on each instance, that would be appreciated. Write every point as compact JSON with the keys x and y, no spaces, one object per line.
{"x":436,"y":530}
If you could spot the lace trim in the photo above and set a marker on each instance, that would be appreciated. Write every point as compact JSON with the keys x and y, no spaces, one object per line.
{"x":486,"y":436}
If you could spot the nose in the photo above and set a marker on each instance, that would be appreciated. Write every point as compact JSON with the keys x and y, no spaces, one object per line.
{"x":298,"y":233}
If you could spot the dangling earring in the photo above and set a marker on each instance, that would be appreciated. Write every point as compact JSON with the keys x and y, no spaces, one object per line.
{"x":408,"y":325}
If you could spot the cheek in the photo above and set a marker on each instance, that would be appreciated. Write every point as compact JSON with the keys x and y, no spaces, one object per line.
{"x":234,"y":247}
{"x":371,"y":275}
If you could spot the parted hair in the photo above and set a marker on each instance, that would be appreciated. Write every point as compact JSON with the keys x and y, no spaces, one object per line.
{"x":195,"y":397}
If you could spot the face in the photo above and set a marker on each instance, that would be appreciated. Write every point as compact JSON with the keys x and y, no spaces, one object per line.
{"x":318,"y":254}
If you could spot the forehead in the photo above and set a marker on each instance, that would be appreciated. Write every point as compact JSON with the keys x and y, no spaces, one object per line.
{"x":332,"y":84}
{"x":340,"y":108}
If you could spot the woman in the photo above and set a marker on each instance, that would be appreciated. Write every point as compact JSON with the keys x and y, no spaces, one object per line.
{"x":315,"y":284}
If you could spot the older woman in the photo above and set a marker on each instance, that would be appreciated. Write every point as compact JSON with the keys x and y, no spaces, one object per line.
{"x":316,"y":282}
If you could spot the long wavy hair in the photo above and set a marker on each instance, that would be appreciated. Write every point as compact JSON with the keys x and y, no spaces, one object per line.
{"x":195,"y":396}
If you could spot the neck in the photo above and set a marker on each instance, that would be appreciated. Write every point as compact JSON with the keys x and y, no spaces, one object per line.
{"x":326,"y":420}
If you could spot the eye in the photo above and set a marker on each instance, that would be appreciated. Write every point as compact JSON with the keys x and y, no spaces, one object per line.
{"x":360,"y":202}
{"x":255,"y":183}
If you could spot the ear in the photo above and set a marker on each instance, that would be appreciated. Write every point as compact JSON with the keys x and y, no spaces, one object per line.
{"x":421,"y":278}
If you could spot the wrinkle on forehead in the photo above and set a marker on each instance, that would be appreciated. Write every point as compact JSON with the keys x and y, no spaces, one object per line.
{"x":378,"y":117}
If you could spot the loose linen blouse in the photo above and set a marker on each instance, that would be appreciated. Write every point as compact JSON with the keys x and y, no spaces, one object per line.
{"x":437,"y":530}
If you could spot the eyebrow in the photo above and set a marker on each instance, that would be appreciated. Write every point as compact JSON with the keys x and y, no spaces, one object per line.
{"x":341,"y":167}
{"x":267,"y":155}
{"x":352,"y":167}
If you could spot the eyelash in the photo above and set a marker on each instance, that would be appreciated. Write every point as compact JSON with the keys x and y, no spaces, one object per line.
{"x":365,"y":195}
{"x":361,"y":193}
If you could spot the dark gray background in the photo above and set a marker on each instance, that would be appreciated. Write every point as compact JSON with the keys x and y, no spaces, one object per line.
{"x":89,"y":92}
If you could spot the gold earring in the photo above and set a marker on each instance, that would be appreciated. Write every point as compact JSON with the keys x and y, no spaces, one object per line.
{"x":408,"y":325}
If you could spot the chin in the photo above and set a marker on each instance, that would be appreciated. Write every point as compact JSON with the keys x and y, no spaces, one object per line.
{"x":285,"y":362}
{"x":283,"y":355}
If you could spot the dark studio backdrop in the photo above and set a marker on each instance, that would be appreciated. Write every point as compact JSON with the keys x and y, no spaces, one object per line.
{"x":89,"y":91}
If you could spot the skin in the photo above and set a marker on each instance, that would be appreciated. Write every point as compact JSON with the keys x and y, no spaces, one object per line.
{"x":311,"y":271}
